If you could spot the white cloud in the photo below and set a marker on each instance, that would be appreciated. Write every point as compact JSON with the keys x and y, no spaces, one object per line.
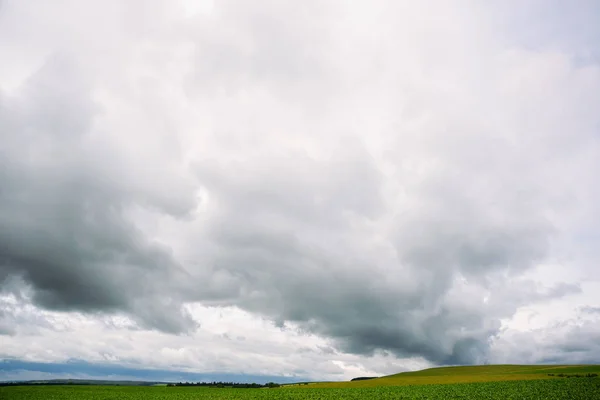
{"x":355,"y":189}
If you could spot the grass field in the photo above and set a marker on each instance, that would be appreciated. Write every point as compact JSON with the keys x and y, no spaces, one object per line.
{"x":574,"y":389}
{"x":486,"y":382}
{"x":473,"y":374}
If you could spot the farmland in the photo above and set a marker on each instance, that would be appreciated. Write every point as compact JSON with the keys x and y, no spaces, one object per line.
{"x":471,"y":374}
{"x":582,"y":388}
{"x":483,"y":382}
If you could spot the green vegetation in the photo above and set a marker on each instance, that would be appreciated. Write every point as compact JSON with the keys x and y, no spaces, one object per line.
{"x":364,"y":378}
{"x":471,"y":374}
{"x":221,"y":385}
{"x":574,"y":389}
{"x":483,"y":382}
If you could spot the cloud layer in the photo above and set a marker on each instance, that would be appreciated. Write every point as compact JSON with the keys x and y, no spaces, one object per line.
{"x":394,"y":179}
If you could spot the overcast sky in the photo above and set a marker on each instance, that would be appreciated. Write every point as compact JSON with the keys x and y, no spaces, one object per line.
{"x":319,"y":188}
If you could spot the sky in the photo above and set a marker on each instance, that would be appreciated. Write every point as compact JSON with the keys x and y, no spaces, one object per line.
{"x":314,"y":190}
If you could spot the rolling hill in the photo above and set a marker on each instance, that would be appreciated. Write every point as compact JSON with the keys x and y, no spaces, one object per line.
{"x":483,"y":373}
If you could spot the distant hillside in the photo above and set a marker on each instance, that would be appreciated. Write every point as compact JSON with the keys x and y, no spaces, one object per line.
{"x":79,"y":371}
{"x":80,"y":382}
{"x":482,"y":373}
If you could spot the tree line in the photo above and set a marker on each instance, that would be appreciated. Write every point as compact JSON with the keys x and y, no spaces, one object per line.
{"x":235,"y":385}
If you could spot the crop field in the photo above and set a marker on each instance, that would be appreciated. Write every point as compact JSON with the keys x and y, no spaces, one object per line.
{"x":558,"y":388}
{"x":472,"y":374}
{"x":477,"y":382}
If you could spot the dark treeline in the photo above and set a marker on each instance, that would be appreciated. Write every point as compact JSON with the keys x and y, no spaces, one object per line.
{"x":199,"y":384}
{"x":590,"y":375}
{"x":227,"y":385}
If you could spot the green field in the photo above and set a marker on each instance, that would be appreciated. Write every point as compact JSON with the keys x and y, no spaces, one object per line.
{"x":472,"y":374}
{"x":576,"y":388}
{"x":484,"y":382}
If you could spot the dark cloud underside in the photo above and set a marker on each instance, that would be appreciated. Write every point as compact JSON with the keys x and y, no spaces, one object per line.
{"x":304,"y":162}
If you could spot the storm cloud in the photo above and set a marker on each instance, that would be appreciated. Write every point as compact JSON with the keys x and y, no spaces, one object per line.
{"x":391,"y":178}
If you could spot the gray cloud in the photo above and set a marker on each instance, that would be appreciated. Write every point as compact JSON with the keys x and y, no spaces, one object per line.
{"x":367,"y":188}
{"x":293,"y":249}
{"x":571,"y":341}
{"x":63,"y":202}
{"x":590,"y":310}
